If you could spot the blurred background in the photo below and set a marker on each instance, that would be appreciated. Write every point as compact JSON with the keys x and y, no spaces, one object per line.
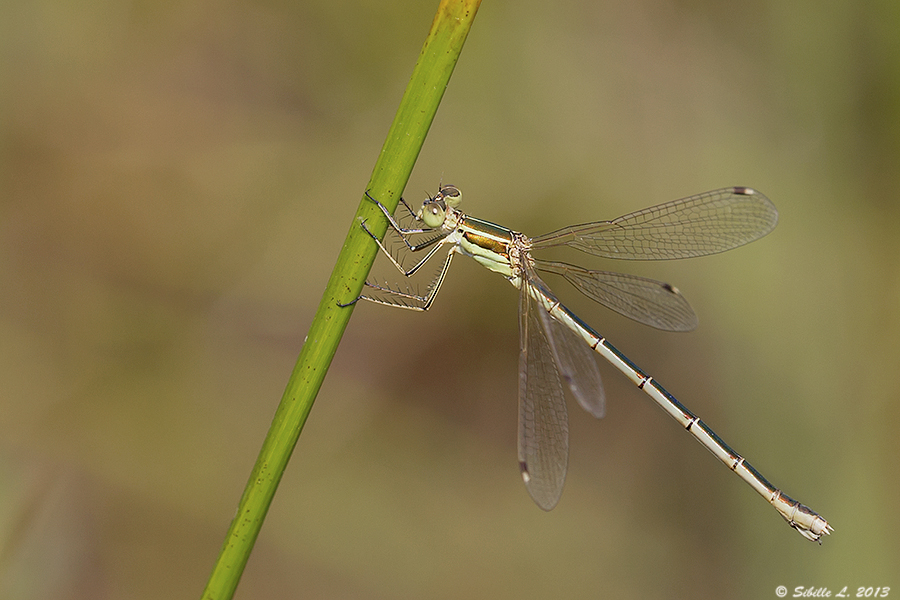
{"x":177,"y":180}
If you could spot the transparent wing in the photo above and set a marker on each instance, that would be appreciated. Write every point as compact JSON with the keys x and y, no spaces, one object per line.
{"x":549,"y":350}
{"x":573,"y":356}
{"x":704,"y":224}
{"x":543,"y":423}
{"x":576,"y":364}
{"x":647,"y":301}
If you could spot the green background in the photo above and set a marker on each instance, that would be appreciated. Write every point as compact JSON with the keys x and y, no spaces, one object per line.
{"x":177,"y":179}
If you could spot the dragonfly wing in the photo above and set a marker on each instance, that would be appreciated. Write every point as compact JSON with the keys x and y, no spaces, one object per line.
{"x":647,"y":301}
{"x":573,"y":356}
{"x":698,"y":225}
{"x":543,"y":422}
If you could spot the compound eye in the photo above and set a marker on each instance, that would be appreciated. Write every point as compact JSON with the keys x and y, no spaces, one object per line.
{"x":433,"y":214}
{"x":451,"y":195}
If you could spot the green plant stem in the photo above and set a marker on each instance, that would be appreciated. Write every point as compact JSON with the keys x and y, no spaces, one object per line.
{"x":395,"y":163}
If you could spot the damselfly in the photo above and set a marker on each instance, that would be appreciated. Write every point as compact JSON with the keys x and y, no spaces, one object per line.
{"x":556,"y":345}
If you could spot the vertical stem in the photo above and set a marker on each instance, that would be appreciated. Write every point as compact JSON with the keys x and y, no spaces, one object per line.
{"x":395,"y":163}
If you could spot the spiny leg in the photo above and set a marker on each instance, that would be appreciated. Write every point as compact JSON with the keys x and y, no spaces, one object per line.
{"x":395,"y":262}
{"x":396,"y":226}
{"x":383,"y":294}
{"x":404,"y":234}
{"x":392,"y":297}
